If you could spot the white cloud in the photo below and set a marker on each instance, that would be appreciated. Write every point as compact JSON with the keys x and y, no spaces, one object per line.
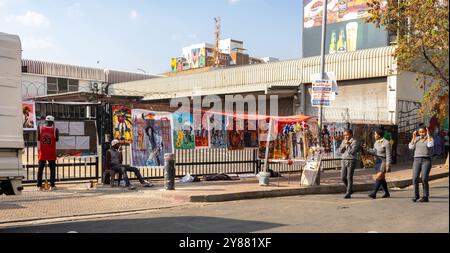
{"x":74,"y":10}
{"x":32,"y":43}
{"x":30,"y":19}
{"x":134,"y":14}
{"x":233,"y":1}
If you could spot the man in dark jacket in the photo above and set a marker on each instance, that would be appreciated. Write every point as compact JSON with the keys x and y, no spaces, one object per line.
{"x":114,"y":162}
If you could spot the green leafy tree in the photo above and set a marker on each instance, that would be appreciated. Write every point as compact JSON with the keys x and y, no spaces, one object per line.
{"x":422,"y":34}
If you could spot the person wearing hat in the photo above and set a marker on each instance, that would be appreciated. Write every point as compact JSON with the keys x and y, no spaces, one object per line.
{"x":114,"y":162}
{"x":48,"y":135}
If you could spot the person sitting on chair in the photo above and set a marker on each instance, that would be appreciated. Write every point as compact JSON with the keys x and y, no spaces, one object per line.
{"x":114,"y":164}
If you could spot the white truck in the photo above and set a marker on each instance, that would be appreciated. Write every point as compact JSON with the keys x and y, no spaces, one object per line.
{"x":11,"y":130}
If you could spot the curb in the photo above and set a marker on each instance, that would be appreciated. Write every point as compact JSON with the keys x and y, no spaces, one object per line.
{"x":314,"y":190}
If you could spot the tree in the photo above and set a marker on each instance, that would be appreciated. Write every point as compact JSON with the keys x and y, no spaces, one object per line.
{"x":421,"y":29}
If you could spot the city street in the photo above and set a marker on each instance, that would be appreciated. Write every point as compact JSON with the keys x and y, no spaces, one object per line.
{"x":322,"y":214}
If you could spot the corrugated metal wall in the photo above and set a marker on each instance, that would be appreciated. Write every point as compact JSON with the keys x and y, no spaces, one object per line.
{"x":370,"y":63}
{"x":81,"y":73}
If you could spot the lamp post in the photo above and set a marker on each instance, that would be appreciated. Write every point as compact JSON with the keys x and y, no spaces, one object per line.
{"x":322,"y":63}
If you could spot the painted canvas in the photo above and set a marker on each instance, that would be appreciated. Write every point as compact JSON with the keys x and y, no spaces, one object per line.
{"x":183,"y":131}
{"x":218,"y":133}
{"x":251,"y":134}
{"x":29,"y":116}
{"x":152,"y":138}
{"x":201,"y":130}
{"x":122,"y":125}
{"x":235,"y":134}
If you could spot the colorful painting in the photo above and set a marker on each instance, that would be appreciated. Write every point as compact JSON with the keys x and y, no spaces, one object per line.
{"x":183,"y":131}
{"x":29,"y":116}
{"x":152,"y":138}
{"x":201,"y":130}
{"x":251,"y":134}
{"x":218,"y":133}
{"x":195,"y":57}
{"x":173,"y":64}
{"x":202,"y":59}
{"x":235,"y":134}
{"x":122,"y":125}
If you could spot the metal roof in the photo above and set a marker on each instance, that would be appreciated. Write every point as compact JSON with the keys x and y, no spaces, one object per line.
{"x":79,"y":72}
{"x":370,"y":63}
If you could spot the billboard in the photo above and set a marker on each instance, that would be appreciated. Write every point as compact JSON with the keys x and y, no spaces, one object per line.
{"x":347,"y":30}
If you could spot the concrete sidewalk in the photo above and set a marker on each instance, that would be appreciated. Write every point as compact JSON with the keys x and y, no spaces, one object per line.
{"x":77,"y":201}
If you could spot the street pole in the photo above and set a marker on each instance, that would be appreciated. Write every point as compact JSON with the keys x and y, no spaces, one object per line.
{"x":322,"y":64}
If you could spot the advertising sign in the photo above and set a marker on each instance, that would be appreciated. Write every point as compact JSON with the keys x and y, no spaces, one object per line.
{"x":322,"y":93}
{"x":347,"y":30}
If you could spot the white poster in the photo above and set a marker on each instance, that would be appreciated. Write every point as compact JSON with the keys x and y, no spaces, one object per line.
{"x":82,"y":142}
{"x":66,"y":143}
{"x":76,"y":128}
{"x":63,"y":127}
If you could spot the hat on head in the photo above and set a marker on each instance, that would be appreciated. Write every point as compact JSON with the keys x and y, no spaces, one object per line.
{"x":115,"y":142}
{"x":50,"y":119}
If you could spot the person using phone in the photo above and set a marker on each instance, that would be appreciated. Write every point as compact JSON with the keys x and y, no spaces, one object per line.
{"x":383,"y":152}
{"x":422,"y":144}
{"x":349,"y":149}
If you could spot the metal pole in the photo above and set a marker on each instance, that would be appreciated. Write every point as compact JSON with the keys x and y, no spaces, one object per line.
{"x":266,"y":160}
{"x":322,"y":64}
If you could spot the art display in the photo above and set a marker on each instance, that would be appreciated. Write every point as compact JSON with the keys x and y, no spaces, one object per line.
{"x":201,"y":131}
{"x":122,"y":125}
{"x":29,"y":116}
{"x":251,"y":134}
{"x":183,"y":131}
{"x":218,"y":137}
{"x":235,"y":135}
{"x":152,"y":138}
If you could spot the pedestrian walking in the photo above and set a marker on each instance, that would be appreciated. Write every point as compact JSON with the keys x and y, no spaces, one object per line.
{"x":48,"y":135}
{"x":349,"y":150}
{"x":422,"y":144}
{"x":383,"y":152}
{"x":114,"y":160}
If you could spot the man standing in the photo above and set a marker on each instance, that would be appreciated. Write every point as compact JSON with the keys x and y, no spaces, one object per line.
{"x":114,"y":161}
{"x":48,"y":135}
{"x":349,"y":148}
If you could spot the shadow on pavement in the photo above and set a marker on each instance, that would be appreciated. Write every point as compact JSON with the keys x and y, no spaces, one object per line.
{"x":188,"y":224}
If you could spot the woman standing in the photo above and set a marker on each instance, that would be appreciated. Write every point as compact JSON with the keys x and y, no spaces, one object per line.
{"x":383,"y":152}
{"x":422,"y":147}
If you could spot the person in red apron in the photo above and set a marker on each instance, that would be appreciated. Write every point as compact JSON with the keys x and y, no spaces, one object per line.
{"x":48,"y":135}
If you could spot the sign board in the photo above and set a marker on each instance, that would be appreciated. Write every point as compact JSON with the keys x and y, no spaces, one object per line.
{"x":322,"y":93}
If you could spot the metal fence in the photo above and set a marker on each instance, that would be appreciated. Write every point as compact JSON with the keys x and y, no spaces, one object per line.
{"x":200,"y":162}
{"x":67,"y":168}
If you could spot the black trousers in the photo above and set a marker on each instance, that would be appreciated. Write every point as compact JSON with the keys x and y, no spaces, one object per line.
{"x":52,"y":166}
{"x":123,"y":169}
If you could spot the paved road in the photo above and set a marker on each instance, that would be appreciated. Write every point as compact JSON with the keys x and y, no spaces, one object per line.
{"x":324,"y":213}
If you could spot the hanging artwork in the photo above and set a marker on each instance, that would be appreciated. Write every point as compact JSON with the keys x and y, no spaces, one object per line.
{"x":251,"y":134}
{"x":29,"y":116}
{"x":152,"y":138}
{"x":218,"y":133}
{"x":122,"y":125}
{"x":183,"y":131}
{"x":201,"y":130}
{"x":263,"y":131}
{"x":235,"y":134}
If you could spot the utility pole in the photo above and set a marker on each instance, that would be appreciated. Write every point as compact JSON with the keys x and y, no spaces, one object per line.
{"x":322,"y":64}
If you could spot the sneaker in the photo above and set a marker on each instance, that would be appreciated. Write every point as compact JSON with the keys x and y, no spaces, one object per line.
{"x":52,"y":189}
{"x":424,"y":200}
{"x":348,"y":196}
{"x":41,"y":189}
{"x":373,"y":196}
{"x":415,"y":200}
{"x":131,"y":188}
{"x":386,"y":196}
{"x":148,"y":185}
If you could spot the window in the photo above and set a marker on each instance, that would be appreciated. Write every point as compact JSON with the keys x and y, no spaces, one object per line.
{"x":61,"y":85}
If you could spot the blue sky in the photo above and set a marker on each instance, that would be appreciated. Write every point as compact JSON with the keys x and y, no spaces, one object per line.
{"x":132,"y":34}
